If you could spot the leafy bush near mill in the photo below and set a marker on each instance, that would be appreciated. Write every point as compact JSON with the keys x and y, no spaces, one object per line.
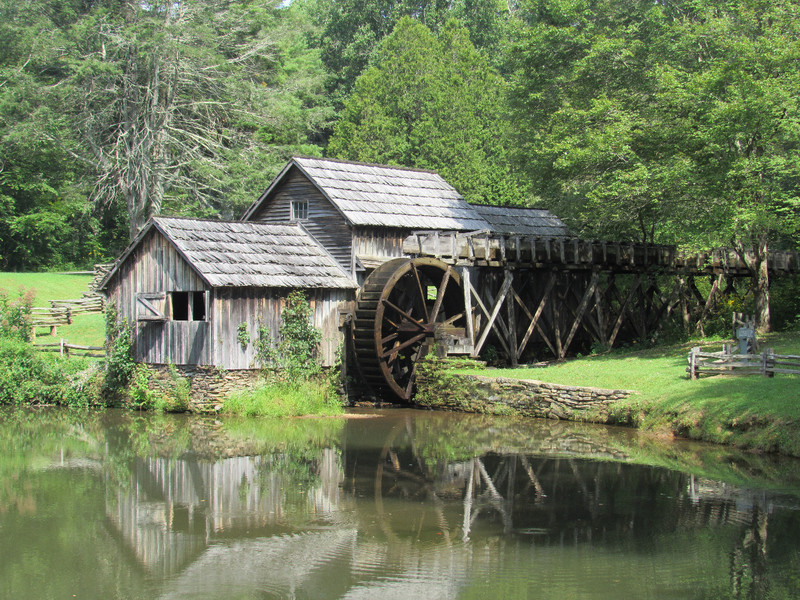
{"x":31,"y":377}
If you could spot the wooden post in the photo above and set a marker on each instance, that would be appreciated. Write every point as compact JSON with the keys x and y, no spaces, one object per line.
{"x":467,"y":285}
{"x":693,"y":362}
{"x":512,"y":323}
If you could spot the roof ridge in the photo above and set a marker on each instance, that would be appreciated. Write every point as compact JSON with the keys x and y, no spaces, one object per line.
{"x":366,"y":164}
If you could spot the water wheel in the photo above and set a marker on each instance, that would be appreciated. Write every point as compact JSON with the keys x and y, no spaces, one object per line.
{"x":400,"y":309}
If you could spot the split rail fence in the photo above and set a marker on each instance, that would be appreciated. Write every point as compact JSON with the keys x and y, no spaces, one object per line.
{"x":61,"y":312}
{"x":726,"y":362}
{"x":66,"y":349}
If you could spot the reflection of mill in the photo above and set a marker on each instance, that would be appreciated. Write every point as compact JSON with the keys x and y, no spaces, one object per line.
{"x":169,"y":511}
{"x":423,"y":519}
{"x":566,"y":500}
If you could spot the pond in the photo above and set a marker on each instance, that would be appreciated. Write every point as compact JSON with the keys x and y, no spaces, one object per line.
{"x":384,"y":504}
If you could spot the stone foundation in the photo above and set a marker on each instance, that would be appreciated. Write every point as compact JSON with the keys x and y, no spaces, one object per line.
{"x":440,"y":389}
{"x":208,"y":385}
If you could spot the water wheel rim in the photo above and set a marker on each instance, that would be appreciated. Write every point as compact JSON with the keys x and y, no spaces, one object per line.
{"x":398,"y":357}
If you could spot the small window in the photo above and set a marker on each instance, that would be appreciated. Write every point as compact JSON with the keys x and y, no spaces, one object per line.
{"x":299,"y":210}
{"x":188,"y":306}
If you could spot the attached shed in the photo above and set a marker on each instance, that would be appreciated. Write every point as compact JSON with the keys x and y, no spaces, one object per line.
{"x":187,"y":285}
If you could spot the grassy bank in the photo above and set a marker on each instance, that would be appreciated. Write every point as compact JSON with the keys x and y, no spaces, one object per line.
{"x":747,"y":411}
{"x":285,"y":399}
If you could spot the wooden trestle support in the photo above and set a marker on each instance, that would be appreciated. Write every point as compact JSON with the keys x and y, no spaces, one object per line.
{"x":529,"y":298}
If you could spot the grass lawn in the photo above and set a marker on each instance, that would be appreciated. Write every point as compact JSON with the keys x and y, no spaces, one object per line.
{"x":747,"y":410}
{"x":86,"y":330}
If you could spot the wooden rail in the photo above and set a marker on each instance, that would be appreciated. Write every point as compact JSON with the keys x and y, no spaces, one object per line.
{"x":90,"y":303}
{"x":481,"y":248}
{"x":66,"y":349}
{"x":62,"y":311}
{"x":726,"y":362}
{"x":49,"y":317}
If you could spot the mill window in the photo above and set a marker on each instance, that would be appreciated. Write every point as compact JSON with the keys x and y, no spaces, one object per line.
{"x":299,"y":210}
{"x":188,"y":306}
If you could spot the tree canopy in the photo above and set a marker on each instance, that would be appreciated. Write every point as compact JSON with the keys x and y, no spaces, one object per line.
{"x":431,"y":102}
{"x":670,"y":122}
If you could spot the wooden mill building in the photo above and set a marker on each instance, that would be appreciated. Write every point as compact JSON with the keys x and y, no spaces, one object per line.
{"x":188,"y":285}
{"x":361,"y":213}
{"x":399,"y":261}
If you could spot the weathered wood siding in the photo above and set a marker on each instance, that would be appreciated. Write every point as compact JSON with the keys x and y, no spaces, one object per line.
{"x":324,"y":221}
{"x":379,"y":241}
{"x":156,"y":267}
{"x":257,"y":306}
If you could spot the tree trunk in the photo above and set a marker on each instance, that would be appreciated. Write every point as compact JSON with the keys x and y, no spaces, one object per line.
{"x":761,"y":281}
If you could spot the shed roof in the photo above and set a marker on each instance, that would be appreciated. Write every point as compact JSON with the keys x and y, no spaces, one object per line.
{"x":245,"y":254}
{"x":522,"y":221}
{"x":383,"y":196}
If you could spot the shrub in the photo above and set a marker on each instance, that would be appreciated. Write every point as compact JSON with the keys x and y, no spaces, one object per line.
{"x":30,"y":377}
{"x":120,"y":363}
{"x":147,"y":392}
{"x":15,"y":314}
{"x":296,"y":355}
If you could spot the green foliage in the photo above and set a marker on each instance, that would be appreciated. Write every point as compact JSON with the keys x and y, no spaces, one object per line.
{"x":120,"y":363}
{"x":31,"y":377}
{"x":15,"y":315}
{"x":266,"y":353}
{"x":662,"y":122}
{"x":296,"y":355}
{"x":242,"y":335}
{"x":431,"y":102}
{"x":278,"y":398}
{"x":148,"y":392}
{"x":352,"y":30}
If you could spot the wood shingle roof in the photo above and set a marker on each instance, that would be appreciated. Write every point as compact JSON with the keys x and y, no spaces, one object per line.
{"x":384,"y":196}
{"x":245,"y":254}
{"x":522,"y":221}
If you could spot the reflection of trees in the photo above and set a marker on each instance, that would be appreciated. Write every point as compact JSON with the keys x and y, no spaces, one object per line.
{"x":749,"y":559}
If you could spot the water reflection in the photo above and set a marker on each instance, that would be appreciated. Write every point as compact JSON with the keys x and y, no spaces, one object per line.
{"x":400,"y":504}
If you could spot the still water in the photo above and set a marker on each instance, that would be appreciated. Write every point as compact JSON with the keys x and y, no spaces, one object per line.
{"x":391,"y":504}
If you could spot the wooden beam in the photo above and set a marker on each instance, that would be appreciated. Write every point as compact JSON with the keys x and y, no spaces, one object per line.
{"x":465,"y":282}
{"x":601,"y":318}
{"x":581,"y":310}
{"x":534,"y":324}
{"x":623,"y":309}
{"x":498,"y":303}
{"x":512,"y":324}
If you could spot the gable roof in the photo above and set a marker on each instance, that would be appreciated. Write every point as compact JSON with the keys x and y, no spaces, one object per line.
{"x":522,"y":221}
{"x":243,"y":254}
{"x":383,"y":196}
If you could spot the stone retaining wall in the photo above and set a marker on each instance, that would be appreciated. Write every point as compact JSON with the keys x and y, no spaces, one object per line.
{"x":208,"y":385}
{"x":443,"y":390}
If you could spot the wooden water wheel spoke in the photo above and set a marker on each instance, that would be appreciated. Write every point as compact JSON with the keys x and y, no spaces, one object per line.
{"x":440,"y":293}
{"x":397,"y":321}
{"x":421,"y":290}
{"x":389,"y":338}
{"x":454,"y":318}
{"x":404,"y":345}
{"x":419,"y":323}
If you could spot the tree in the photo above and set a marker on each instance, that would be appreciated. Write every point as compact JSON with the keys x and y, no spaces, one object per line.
{"x":44,"y":219}
{"x":351,"y":30}
{"x":431,"y":103}
{"x":177,"y":99}
{"x":670,"y":123}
